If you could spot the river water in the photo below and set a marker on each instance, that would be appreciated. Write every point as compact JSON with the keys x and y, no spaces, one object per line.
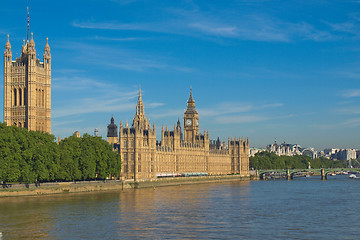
{"x":304,"y":208}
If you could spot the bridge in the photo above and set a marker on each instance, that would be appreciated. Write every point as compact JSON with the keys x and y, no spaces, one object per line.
{"x":291,"y":173}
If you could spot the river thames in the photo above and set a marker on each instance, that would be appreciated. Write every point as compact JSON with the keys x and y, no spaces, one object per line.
{"x":304,"y":208}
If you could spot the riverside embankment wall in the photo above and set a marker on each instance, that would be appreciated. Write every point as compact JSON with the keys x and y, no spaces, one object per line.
{"x":17,"y":190}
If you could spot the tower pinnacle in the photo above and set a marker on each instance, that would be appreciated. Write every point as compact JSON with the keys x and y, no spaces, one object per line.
{"x":47,"y":47}
{"x":191,"y":103}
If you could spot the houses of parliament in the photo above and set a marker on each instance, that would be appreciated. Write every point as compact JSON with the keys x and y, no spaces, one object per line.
{"x":27,"y":88}
{"x":182,"y":150}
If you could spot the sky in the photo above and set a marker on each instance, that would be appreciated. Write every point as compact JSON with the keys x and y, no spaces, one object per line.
{"x":267,"y":70}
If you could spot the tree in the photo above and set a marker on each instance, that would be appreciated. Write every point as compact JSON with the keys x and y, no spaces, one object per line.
{"x":29,"y":156}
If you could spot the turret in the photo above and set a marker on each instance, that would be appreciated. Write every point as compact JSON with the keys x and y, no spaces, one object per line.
{"x":31,"y":46}
{"x":7,"y":52}
{"x":23,"y":48}
{"x":47,"y":54}
{"x":7,"y":45}
{"x":112,"y":132}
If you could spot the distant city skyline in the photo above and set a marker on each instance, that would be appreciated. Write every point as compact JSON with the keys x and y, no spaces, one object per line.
{"x":284,"y":70}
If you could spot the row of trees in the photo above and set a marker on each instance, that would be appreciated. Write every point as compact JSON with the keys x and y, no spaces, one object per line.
{"x":29,"y":156}
{"x":267,"y":160}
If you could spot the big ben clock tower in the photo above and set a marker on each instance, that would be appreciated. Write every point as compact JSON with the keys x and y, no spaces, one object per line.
{"x":191,"y":121}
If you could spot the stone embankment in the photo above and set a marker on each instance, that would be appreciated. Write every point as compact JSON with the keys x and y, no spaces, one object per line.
{"x":16,"y":190}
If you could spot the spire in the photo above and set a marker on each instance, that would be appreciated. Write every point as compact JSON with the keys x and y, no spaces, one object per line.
{"x":140,"y":105}
{"x":23,"y":47}
{"x":47,"y":47}
{"x":191,"y":100}
{"x":8,"y":45}
{"x":32,"y":42}
{"x":191,"y":104}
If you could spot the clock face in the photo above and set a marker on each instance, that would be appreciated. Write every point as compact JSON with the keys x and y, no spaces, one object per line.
{"x":188,"y":122}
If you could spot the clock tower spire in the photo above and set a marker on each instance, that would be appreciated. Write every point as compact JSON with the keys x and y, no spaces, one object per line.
{"x":191,"y":120}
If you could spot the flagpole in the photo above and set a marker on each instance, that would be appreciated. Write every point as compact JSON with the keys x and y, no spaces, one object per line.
{"x":27,"y":36}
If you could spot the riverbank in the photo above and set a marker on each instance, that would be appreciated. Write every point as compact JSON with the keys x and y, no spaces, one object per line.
{"x":18,"y":190}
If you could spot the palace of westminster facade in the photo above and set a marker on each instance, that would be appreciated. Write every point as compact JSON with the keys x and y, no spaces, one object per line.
{"x":178,"y":152}
{"x":27,"y":103}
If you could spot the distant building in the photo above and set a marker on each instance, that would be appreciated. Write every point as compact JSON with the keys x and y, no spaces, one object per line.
{"x":328,"y":152}
{"x":253,"y":151}
{"x":345,"y":154}
{"x":340,"y":154}
{"x":284,"y":149}
{"x":77,"y":134}
{"x":310,"y":152}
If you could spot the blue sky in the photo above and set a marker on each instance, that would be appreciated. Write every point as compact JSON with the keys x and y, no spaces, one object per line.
{"x":284,"y":70}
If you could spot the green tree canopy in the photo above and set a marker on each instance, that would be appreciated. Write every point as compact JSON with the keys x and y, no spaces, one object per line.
{"x":29,"y":156}
{"x":267,"y":160}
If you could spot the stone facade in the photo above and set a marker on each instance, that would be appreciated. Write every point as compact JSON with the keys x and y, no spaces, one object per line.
{"x":143,"y":157}
{"x":27,"y":88}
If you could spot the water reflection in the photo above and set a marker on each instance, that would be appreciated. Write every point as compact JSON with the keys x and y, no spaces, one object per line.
{"x":298,"y":209}
{"x":21,"y":217}
{"x":187,"y":210}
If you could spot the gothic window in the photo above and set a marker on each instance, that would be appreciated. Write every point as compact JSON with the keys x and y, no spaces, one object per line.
{"x":20,"y":124}
{"x":25,"y":97}
{"x":8,"y":59}
{"x":125,"y":144}
{"x":15,"y":97}
{"x":20,"y":97}
{"x":43,"y":98}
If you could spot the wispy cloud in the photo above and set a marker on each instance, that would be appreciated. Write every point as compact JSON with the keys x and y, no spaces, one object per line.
{"x":75,"y":83}
{"x":350,"y":93}
{"x":167,"y":113}
{"x":154,"y":105}
{"x":248,"y":119}
{"x":68,"y":123}
{"x":121,"y":58}
{"x":197,"y":23}
{"x":112,"y":26}
{"x":128,"y":39}
{"x":93,"y":105}
{"x":349,"y":110}
{"x":351,"y":26}
{"x":226,"y":108}
{"x":101,"y":97}
{"x":350,"y":123}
